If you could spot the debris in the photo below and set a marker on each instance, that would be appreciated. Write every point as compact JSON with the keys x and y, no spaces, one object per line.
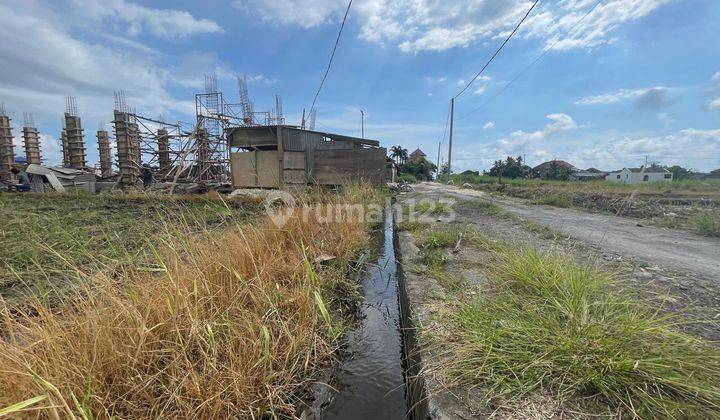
{"x":457,"y":244}
{"x":60,"y":179}
{"x":324,"y":258}
{"x":468,"y":186}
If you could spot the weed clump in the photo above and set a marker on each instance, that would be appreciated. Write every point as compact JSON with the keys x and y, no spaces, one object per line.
{"x":551,"y":325}
{"x":707,"y":224}
{"x":228,"y":324}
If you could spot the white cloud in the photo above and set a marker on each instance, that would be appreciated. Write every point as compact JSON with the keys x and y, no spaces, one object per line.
{"x":43,"y":61}
{"x":654,"y":97}
{"x":715,"y":103}
{"x":489,"y":125}
{"x":559,"y":122}
{"x":480,"y":90}
{"x":431,"y":25}
{"x":164,"y":23}
{"x":306,"y":13}
{"x":666,"y":119}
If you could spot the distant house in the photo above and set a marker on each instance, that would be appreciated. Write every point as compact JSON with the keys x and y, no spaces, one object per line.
{"x":417,"y":156}
{"x":546,"y":165}
{"x":640,"y":175}
{"x":552,"y":168}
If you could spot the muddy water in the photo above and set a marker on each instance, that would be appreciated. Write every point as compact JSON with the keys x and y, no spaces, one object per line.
{"x":371,"y":381}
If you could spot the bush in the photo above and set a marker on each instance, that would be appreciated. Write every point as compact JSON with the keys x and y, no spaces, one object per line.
{"x":409,"y":178}
{"x":551,"y":325}
{"x":706,"y":224}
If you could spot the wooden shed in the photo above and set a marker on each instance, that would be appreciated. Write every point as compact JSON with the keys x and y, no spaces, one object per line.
{"x":273,"y":156}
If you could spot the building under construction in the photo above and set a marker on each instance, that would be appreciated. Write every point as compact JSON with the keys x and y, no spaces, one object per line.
{"x":228,"y":143}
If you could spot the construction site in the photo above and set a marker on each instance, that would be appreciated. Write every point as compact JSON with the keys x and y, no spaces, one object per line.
{"x":228,"y":145}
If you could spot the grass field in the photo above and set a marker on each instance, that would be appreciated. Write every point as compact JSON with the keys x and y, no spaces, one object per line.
{"x":229,"y":321}
{"x":51,"y":236}
{"x":708,"y":186}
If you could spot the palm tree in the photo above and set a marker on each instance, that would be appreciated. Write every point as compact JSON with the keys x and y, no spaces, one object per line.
{"x":395,"y":153}
{"x":403,"y":155}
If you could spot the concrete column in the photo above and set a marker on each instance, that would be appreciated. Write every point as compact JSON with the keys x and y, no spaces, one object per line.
{"x":128,"y":148}
{"x":32,"y":145}
{"x":75,"y":142}
{"x":163,"y":145}
{"x":104,"y":151}
{"x":7,"y":150}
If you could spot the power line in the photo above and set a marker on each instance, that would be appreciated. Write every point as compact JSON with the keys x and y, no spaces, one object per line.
{"x":538,"y":58}
{"x":498,"y":50}
{"x":337,"y":41}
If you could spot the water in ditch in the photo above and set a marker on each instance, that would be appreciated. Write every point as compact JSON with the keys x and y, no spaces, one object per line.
{"x":371,"y":381}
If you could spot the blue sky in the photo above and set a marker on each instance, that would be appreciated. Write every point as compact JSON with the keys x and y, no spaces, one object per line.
{"x":635,"y":78}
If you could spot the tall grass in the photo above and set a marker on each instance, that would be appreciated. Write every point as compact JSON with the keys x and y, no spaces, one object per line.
{"x":550,"y":325}
{"x":228,"y":325}
{"x":707,"y":224}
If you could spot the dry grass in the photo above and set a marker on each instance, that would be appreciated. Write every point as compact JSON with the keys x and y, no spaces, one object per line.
{"x":229,"y":325}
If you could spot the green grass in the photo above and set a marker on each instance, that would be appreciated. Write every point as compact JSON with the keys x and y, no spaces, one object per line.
{"x":550,"y":325}
{"x":412,"y":226}
{"x":445,"y":237}
{"x":707,"y":224}
{"x":435,"y":245}
{"x":409,"y":178}
{"x":49,"y":236}
{"x":450,"y":281}
{"x":708,"y":185}
{"x":484,"y":206}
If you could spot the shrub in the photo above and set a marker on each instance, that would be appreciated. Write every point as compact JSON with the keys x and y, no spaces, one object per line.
{"x":552,"y":325}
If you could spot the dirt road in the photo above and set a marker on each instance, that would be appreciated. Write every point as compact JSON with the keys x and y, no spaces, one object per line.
{"x":675,"y":249}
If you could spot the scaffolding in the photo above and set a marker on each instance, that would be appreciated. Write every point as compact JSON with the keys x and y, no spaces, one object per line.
{"x":207,"y":145}
{"x":76,"y":157}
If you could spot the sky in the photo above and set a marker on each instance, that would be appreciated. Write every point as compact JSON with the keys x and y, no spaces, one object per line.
{"x":634,"y":78}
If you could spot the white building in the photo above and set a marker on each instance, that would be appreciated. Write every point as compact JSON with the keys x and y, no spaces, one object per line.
{"x":640,"y":175}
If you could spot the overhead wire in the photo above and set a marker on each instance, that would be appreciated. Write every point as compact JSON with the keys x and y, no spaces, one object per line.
{"x":332,"y":56}
{"x":498,"y":50}
{"x":538,"y":58}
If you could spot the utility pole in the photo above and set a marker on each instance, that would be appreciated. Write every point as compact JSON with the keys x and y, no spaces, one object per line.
{"x":362,"y":124}
{"x":437,"y":171}
{"x":452,"y":120}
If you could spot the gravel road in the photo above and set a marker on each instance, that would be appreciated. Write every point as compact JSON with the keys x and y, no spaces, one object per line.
{"x":669,"y":248}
